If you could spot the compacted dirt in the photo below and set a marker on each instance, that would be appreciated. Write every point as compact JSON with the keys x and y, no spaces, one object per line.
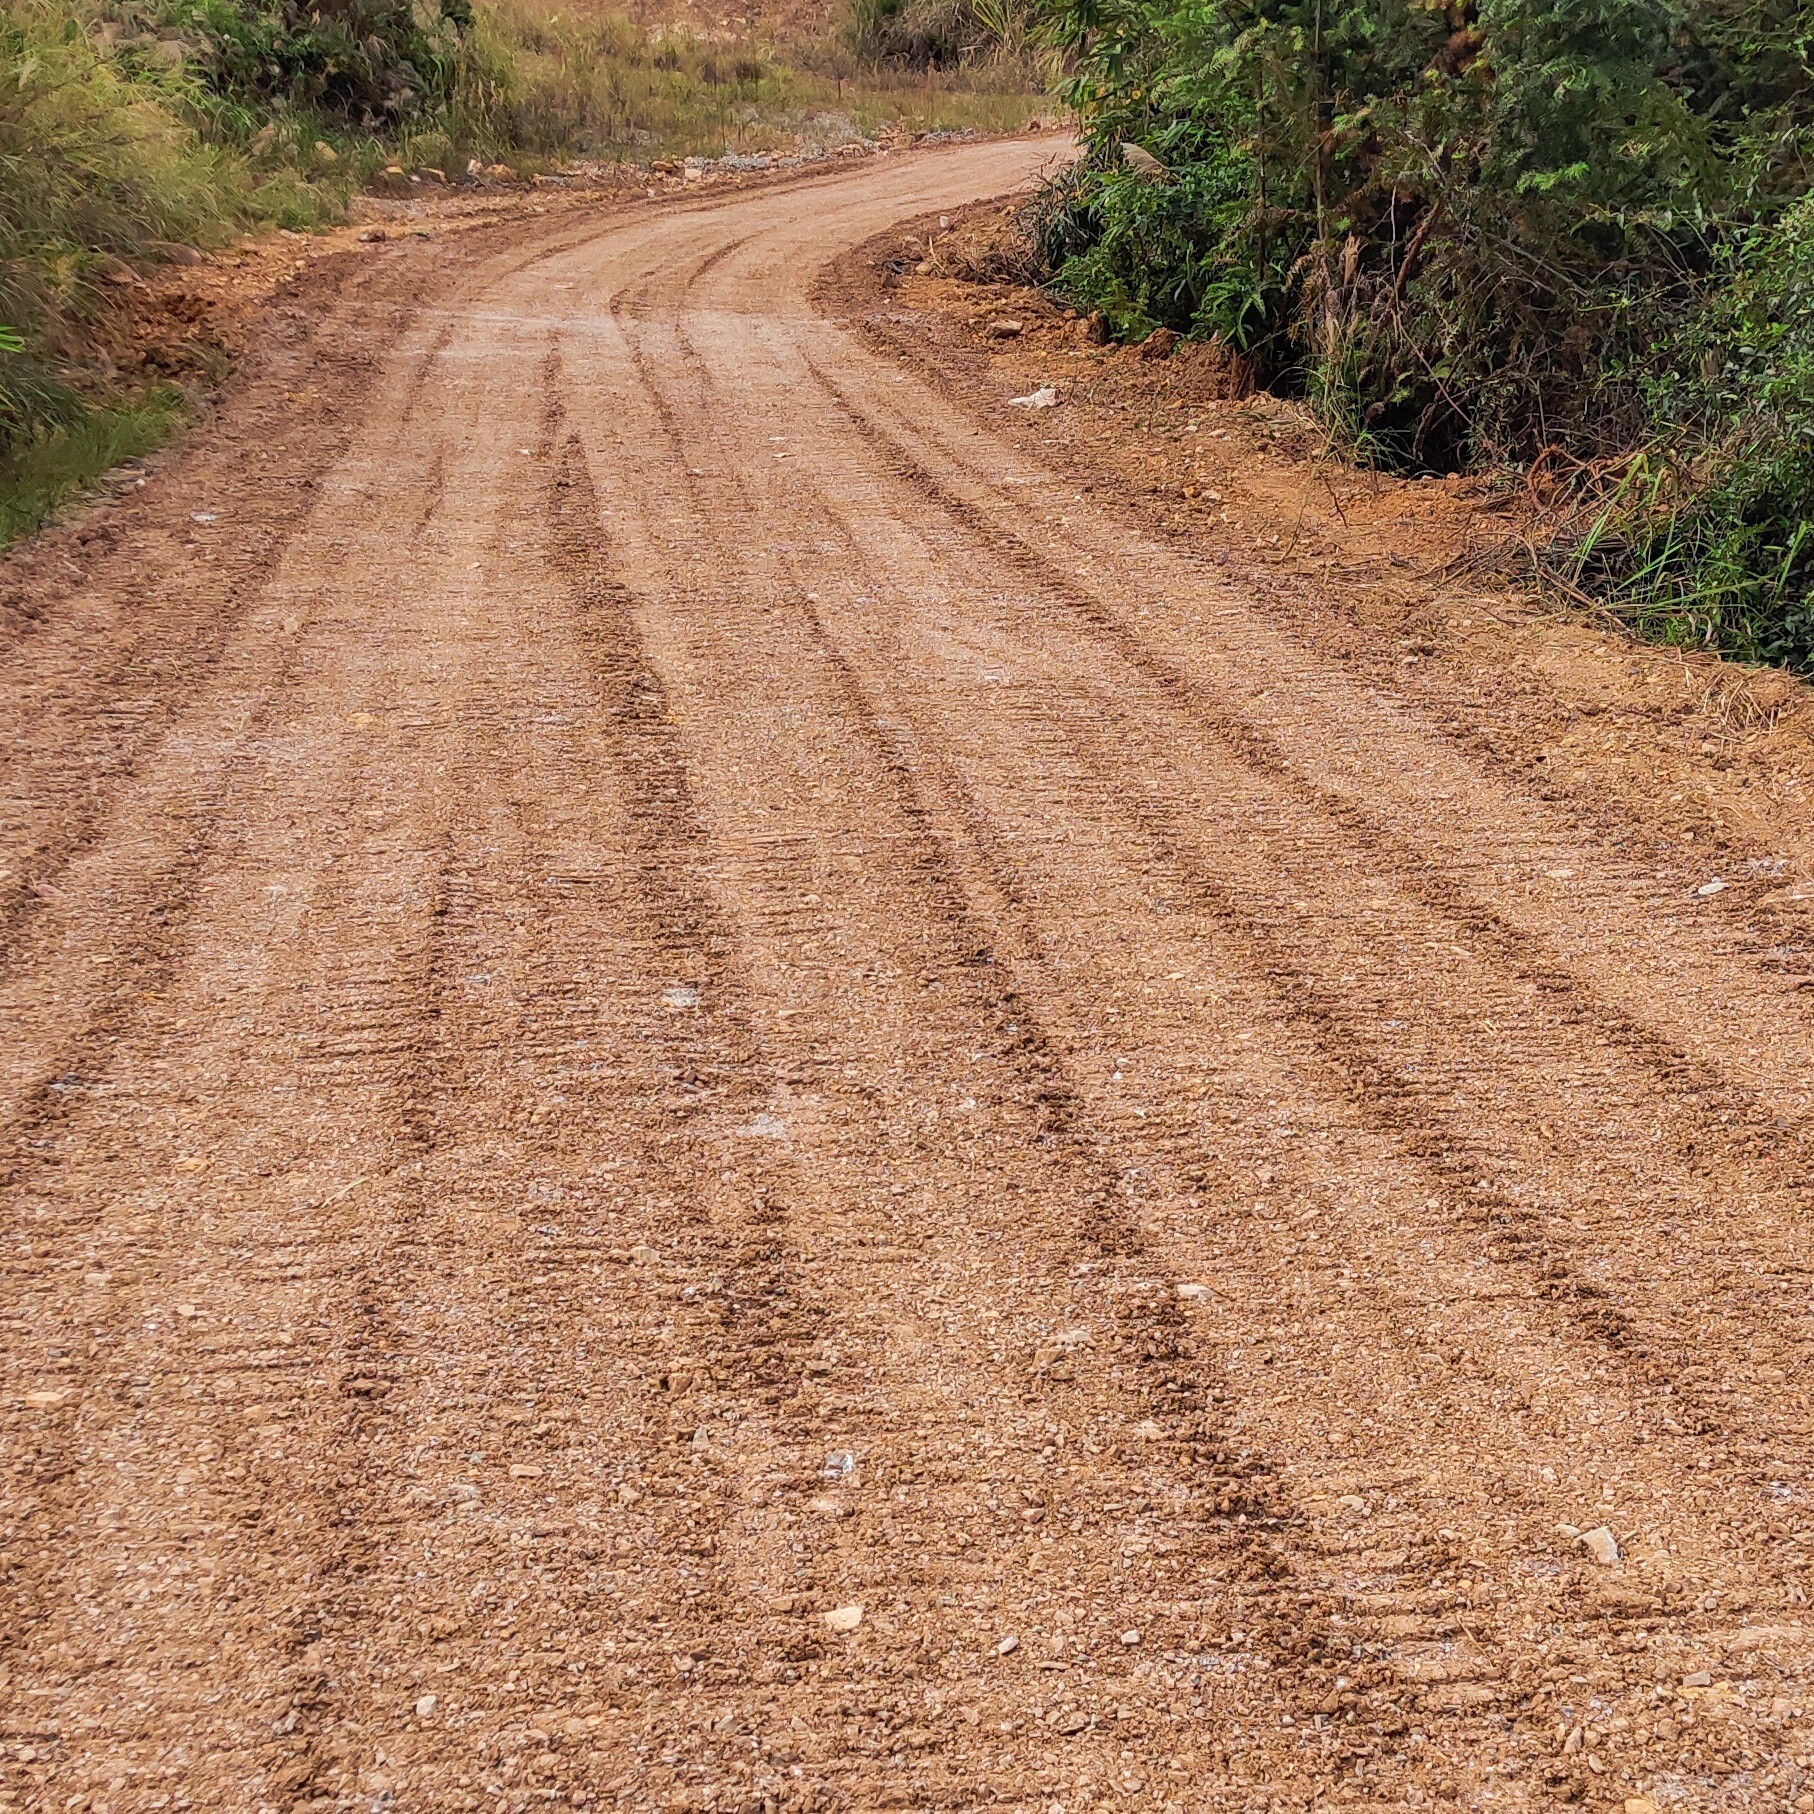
{"x":715,"y":1098}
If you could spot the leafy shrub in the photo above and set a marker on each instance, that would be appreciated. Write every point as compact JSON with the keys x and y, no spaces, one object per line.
{"x":371,"y":64}
{"x":1165,"y":254}
{"x":1709,"y":535}
{"x":1479,"y":232}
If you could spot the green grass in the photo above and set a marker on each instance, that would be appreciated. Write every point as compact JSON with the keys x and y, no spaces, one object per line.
{"x":37,"y":477}
{"x":102,"y":165}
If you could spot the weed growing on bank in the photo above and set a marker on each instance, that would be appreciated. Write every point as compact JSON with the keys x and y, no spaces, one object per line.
{"x":49,"y":467}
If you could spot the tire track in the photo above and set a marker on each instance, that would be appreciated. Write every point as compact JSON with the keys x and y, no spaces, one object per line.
{"x":1180,"y":1388}
{"x":1501,"y":942}
{"x":1711,"y":1101}
{"x":713,"y":407}
{"x":680,"y":1124}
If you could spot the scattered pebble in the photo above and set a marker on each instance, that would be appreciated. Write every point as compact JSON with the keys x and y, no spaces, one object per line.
{"x":425,"y":1706}
{"x":1130,"y":1637}
{"x":1601,"y":1544}
{"x":844,"y":1618}
{"x":1008,"y":1646}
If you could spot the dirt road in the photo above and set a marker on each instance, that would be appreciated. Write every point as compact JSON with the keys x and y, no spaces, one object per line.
{"x":711,"y":1101}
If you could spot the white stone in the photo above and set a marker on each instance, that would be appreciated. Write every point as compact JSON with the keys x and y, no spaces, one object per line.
{"x":1601,"y":1544}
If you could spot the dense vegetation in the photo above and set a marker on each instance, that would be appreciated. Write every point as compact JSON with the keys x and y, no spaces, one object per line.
{"x":1570,"y":236}
{"x":133,"y":129}
{"x":948,"y":34}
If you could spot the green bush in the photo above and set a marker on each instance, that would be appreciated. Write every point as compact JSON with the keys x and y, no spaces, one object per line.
{"x":1480,"y":232}
{"x":104,"y":165}
{"x":368,"y":64}
{"x":1708,"y":538}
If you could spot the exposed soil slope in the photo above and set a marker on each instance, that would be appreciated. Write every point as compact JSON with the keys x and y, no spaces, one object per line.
{"x":716,"y":1099}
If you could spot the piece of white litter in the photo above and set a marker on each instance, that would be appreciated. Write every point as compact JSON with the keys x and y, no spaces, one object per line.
{"x":1046,"y":397}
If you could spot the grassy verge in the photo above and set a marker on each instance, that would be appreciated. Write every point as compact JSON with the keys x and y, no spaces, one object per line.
{"x":52,"y":465}
{"x":1569,"y":246}
{"x":555,"y":84}
{"x":106,"y":164}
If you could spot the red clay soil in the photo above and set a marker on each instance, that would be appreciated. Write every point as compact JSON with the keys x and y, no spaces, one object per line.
{"x":717,"y":1097}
